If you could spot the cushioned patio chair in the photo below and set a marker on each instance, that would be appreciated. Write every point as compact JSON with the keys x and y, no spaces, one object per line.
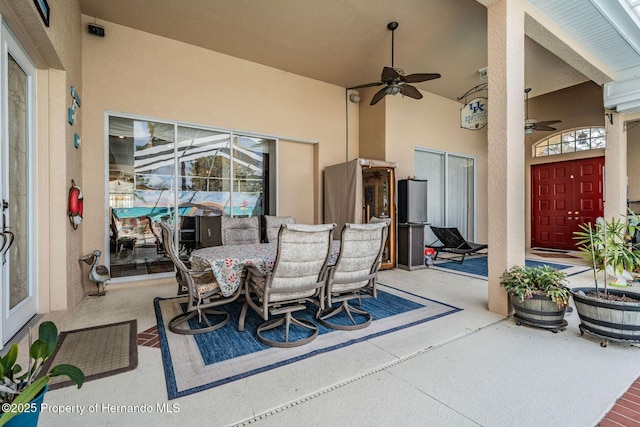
{"x":203,"y":293}
{"x":120,"y":240}
{"x":453,"y":242}
{"x":158,"y":241}
{"x":273,"y":223}
{"x":298,"y":277}
{"x":240,"y":231}
{"x":354,"y":275}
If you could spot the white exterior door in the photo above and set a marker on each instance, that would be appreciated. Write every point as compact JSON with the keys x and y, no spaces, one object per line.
{"x":17,"y":145}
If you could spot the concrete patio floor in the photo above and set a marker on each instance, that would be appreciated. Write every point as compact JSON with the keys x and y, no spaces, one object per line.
{"x":470,"y":368}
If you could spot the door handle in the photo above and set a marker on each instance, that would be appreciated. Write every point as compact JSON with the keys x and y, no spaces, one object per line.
{"x":8,"y":245}
{"x":5,"y":206}
{"x":4,"y":241}
{"x":7,"y":236}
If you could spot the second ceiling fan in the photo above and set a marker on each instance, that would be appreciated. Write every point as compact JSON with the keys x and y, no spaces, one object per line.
{"x":532,"y":125}
{"x":394,"y":79}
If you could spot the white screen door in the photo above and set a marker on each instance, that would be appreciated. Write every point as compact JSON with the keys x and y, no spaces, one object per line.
{"x":16,"y":178}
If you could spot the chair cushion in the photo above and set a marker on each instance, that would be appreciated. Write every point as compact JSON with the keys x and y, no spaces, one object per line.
{"x":239,"y":231}
{"x":302,"y":255}
{"x":273,"y":223}
{"x":205,"y":283}
{"x":360,"y":250}
{"x":258,"y":283}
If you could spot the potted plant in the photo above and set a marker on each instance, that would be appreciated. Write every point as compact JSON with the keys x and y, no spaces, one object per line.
{"x":613,"y":314}
{"x":21,"y":393}
{"x":539,"y":295}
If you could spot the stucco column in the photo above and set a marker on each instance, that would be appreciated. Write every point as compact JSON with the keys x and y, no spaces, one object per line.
{"x":61,"y":260}
{"x":615,"y":169}
{"x":506,"y":175}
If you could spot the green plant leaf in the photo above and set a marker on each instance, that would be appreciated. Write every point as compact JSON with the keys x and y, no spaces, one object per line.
{"x":8,"y":363}
{"x":48,"y":333}
{"x":73,"y":372}
{"x":525,"y":282}
{"x":38,"y":350}
{"x":10,"y":358}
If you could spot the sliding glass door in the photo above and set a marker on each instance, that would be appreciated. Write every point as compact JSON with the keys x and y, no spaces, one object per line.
{"x":461,"y":194}
{"x":184,"y":175}
{"x":451,"y":179}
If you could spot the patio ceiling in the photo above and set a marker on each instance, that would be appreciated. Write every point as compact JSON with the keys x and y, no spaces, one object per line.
{"x":347,"y":43}
{"x":605,"y":28}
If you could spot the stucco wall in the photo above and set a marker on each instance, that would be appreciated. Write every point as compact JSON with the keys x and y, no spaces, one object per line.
{"x":130,"y":71}
{"x":372,"y":126}
{"x":295,"y":174}
{"x":434,"y":122}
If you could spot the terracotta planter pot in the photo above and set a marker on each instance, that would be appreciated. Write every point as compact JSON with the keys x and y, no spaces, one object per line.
{"x":539,"y":311}
{"x":612,"y":320}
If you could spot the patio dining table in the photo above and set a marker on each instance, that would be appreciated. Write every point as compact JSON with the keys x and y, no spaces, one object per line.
{"x":227,"y":262}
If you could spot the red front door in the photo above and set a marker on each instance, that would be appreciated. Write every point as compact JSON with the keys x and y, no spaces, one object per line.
{"x":565,"y":195}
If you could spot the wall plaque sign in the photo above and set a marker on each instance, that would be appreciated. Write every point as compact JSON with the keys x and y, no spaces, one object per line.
{"x":473,"y":115}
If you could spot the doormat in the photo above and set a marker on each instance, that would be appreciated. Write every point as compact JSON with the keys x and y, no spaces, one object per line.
{"x":560,"y":251}
{"x":99,"y":351}
{"x":553,"y":255}
{"x":479,"y":269}
{"x":193,"y":363}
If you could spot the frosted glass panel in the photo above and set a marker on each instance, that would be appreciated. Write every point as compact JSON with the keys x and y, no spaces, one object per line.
{"x":460,"y":195}
{"x":431,"y":166}
{"x":19,"y":177}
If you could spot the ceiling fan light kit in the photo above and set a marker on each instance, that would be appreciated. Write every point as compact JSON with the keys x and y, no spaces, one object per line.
{"x":395,"y":80}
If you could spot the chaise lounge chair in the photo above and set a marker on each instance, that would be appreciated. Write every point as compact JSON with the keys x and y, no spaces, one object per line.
{"x":453,"y":242}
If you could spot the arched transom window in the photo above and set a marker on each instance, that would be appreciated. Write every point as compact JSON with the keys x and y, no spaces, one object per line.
{"x":570,"y":141}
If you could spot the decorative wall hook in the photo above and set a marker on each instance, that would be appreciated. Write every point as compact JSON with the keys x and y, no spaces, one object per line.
{"x":75,"y":103}
{"x":610,"y":117}
{"x":75,"y":96}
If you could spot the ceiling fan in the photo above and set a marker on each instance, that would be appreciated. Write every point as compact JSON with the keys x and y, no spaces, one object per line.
{"x":394,"y":79}
{"x":532,"y":125}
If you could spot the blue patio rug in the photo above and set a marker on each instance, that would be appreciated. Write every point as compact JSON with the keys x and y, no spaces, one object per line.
{"x":478,"y":268}
{"x":200,"y":362}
